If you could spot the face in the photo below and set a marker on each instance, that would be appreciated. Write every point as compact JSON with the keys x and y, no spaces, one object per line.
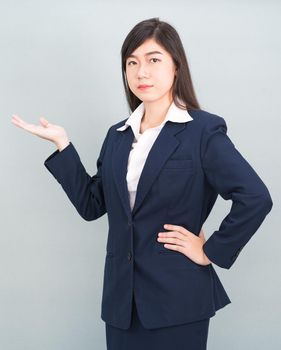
{"x":150,"y":64}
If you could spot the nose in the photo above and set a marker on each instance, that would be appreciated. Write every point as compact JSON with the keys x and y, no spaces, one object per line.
{"x":142,"y":71}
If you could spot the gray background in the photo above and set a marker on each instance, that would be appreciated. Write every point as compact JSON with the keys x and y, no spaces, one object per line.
{"x":61,"y":60}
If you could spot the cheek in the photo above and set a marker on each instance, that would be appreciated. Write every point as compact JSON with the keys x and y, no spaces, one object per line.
{"x":165,"y":79}
{"x":129,"y":77}
{"x":130,"y":84}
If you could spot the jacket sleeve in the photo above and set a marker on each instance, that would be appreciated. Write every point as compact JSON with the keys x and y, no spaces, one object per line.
{"x":233,"y":178}
{"x":84,"y":191}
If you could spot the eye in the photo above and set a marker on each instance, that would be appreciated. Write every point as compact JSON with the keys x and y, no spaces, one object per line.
{"x":129,"y":63}
{"x":155,"y":59}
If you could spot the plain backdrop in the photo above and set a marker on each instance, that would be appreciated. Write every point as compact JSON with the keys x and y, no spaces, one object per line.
{"x":61,"y":60}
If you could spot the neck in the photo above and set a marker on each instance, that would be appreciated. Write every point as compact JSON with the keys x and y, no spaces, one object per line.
{"x":155,"y":112}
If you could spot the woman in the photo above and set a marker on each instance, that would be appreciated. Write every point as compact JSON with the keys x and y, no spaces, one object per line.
{"x":159,"y":173}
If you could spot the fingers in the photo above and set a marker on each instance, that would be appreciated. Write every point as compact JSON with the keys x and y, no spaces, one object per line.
{"x":19,"y":122}
{"x":172,"y":240}
{"x":178,"y":228}
{"x":24,"y":125}
{"x":177,"y":234}
{"x":44,"y":122}
{"x":180,"y":232}
{"x":15,"y":118}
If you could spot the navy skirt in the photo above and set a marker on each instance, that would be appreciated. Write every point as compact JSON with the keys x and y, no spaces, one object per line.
{"x":187,"y":336}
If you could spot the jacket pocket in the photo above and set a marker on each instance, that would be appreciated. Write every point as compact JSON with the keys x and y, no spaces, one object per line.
{"x":174,"y":179}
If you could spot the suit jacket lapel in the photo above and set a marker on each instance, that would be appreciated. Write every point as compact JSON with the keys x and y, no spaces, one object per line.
{"x":164,"y":145}
{"x":120,"y":155}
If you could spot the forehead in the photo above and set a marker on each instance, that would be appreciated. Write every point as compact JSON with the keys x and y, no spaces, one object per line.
{"x":148,"y":47}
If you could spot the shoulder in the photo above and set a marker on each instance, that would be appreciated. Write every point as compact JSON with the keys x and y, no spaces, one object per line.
{"x":117,"y":125}
{"x":205,"y":120}
{"x":112,"y":129}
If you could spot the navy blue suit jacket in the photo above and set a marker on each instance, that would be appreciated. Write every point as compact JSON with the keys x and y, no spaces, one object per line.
{"x":187,"y":167}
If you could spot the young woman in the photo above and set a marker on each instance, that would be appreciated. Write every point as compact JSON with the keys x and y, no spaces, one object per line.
{"x":159,"y":173}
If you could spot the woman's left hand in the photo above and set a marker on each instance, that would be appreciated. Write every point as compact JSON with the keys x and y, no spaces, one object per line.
{"x":185,"y":242}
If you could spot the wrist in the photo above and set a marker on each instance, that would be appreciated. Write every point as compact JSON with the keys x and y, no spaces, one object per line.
{"x":62,"y":144}
{"x":207,"y":261}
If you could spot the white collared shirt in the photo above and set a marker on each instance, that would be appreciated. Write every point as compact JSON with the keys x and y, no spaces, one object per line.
{"x":143,"y":142}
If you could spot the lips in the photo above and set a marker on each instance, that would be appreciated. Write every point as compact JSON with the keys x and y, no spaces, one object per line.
{"x":144,"y":86}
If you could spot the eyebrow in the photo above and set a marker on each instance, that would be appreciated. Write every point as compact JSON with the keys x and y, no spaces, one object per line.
{"x":148,"y":53}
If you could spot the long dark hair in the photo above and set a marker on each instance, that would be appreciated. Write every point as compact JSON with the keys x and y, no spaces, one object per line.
{"x":166,"y":36}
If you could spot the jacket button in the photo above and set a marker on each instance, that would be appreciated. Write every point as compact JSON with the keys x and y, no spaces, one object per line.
{"x":129,"y":255}
{"x":129,"y":223}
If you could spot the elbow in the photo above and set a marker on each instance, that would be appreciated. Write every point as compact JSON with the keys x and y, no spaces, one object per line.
{"x":92,"y":209}
{"x":260,"y":200}
{"x":92,"y":215}
{"x":266,"y":203}
{"x":87,"y":218}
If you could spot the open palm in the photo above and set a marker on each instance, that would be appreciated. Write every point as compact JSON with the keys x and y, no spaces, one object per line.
{"x":46,"y":130}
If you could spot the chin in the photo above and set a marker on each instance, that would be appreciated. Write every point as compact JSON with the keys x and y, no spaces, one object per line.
{"x":148,"y":98}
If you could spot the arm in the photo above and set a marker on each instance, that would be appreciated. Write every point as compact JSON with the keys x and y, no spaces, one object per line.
{"x":85,"y":192}
{"x":233,"y":178}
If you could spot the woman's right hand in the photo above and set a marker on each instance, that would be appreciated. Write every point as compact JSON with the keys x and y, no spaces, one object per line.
{"x":46,"y":130}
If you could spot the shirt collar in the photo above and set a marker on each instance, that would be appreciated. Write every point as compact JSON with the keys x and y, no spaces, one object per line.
{"x":174,"y":114}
